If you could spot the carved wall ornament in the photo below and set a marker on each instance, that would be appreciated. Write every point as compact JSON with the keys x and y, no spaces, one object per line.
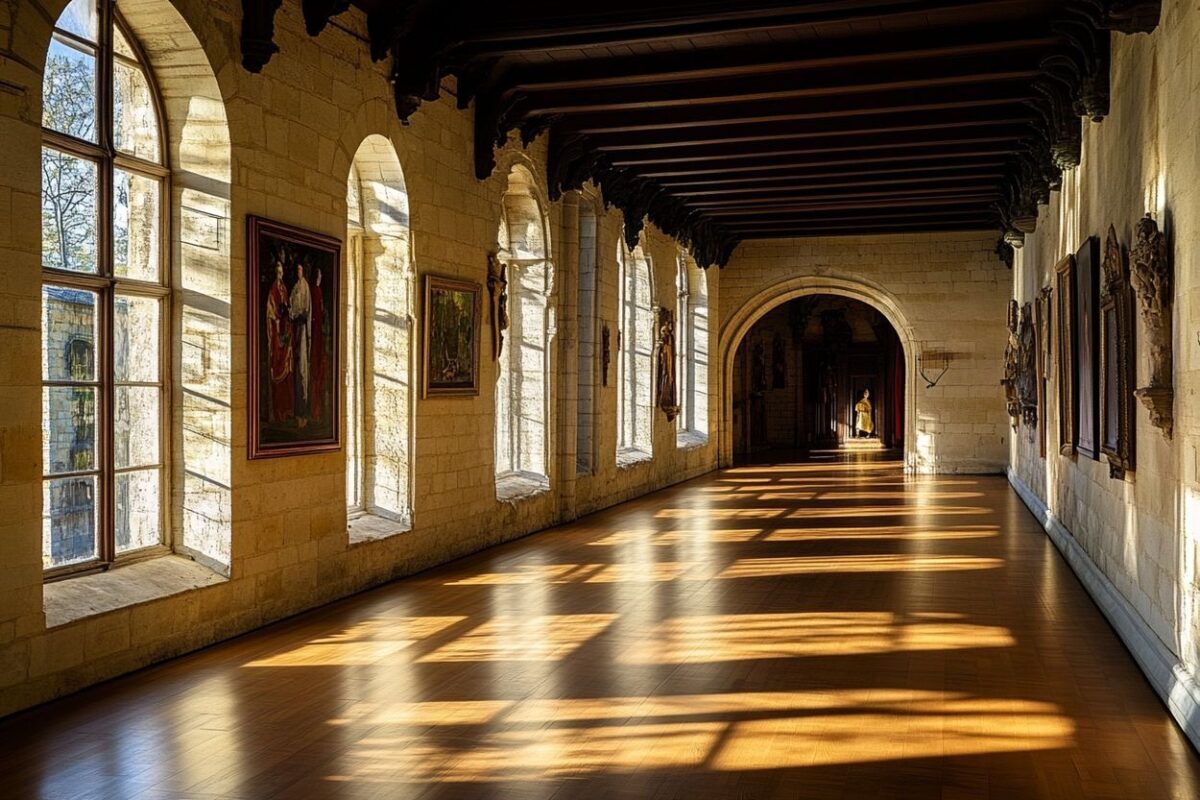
{"x":605,"y":353}
{"x":1027,"y":376}
{"x":497,"y":283}
{"x":1117,"y":368}
{"x":668,"y":396}
{"x":1011,"y":368}
{"x":1152,"y":276}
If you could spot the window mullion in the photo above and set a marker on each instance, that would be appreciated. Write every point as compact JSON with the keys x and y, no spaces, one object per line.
{"x":104,"y":118}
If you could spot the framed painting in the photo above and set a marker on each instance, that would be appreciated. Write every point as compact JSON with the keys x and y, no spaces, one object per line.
{"x":1116,"y":360}
{"x":451,"y":343}
{"x":1064,"y":290}
{"x":294,"y":300}
{"x":1087,"y":347}
{"x":1043,"y":322}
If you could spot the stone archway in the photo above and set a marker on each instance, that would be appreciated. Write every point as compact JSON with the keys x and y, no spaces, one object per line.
{"x":739,"y":324}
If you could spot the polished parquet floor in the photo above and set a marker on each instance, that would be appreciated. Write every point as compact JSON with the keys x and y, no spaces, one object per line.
{"x":811,"y":630}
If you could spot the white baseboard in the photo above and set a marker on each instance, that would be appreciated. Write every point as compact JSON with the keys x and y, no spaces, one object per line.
{"x":1171,"y":680}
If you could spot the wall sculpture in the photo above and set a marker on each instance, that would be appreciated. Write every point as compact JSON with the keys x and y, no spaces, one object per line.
{"x":1152,"y":277}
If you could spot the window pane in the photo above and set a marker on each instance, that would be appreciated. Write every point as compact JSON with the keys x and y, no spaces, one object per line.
{"x":69,"y":90}
{"x":81,"y":18}
{"x":68,"y":212}
{"x":135,"y":426}
{"x":135,"y":120}
{"x":136,"y":339}
{"x":69,"y":331}
{"x":139,"y":510}
{"x":121,"y":44}
{"x":68,"y":521}
{"x":136,"y":225}
{"x":68,"y":429}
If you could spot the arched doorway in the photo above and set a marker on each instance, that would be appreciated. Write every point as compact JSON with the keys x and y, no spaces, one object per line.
{"x":736,"y":326}
{"x":799,"y":374}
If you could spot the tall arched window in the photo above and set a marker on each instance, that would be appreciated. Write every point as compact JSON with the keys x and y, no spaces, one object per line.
{"x":692,"y":343}
{"x":104,"y":295}
{"x":635,"y":369}
{"x":379,"y":341}
{"x":522,"y":386}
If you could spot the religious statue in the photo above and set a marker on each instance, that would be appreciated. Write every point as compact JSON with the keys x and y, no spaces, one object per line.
{"x":497,"y":282}
{"x":668,"y":399}
{"x":1152,"y":278}
{"x":864,"y":425}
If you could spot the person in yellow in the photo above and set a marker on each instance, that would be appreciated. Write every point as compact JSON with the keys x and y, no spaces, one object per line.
{"x":864,"y":426}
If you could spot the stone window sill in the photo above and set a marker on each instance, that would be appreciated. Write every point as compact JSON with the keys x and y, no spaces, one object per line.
{"x":690,"y":440}
{"x":367,"y":527}
{"x":75,"y":599}
{"x":514,"y":486}
{"x":632,"y":456}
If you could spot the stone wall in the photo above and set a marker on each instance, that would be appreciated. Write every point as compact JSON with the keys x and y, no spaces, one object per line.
{"x":941,"y":292}
{"x":1143,"y":532}
{"x":281,"y":145}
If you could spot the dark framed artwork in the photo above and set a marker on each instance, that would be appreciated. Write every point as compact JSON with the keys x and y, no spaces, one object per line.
{"x":1064,"y":290}
{"x":1043,"y":323}
{"x":1087,"y":347}
{"x":451,"y":343}
{"x":294,"y":333}
{"x":1116,"y":360}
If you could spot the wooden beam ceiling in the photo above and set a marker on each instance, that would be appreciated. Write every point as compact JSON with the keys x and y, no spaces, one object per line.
{"x":721,"y":121}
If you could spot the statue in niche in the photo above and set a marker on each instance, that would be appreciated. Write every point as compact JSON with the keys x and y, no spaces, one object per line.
{"x":1152,"y":278}
{"x":497,"y":282}
{"x":605,"y":353}
{"x":668,"y":399}
{"x":1011,"y":351}
{"x":778,"y":364}
{"x":1027,"y":375}
{"x":864,"y":424}
{"x":758,"y":367}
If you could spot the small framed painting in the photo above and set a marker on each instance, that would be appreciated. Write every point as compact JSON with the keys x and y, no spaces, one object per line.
{"x":451,"y":341}
{"x":1087,"y":347}
{"x":294,"y":339}
{"x":1068,"y":378}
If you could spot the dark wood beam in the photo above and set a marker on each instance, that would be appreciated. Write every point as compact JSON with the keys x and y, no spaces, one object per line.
{"x":730,"y":215}
{"x":956,"y":75}
{"x":948,"y":181}
{"x":915,"y":195}
{"x":763,"y":60}
{"x":750,"y":160}
{"x":1007,"y":119}
{"x":868,"y":104}
{"x":819,"y":171}
{"x":868,"y":230}
{"x":541,"y":25}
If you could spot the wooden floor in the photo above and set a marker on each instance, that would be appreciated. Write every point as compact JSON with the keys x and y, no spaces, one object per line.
{"x":816,"y":630}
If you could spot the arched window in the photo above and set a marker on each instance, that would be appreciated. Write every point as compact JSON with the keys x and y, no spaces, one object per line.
{"x":379,"y":341}
{"x":105,"y":291}
{"x":635,"y":371}
{"x":692,"y":343}
{"x":585,"y":429}
{"x":522,"y":386}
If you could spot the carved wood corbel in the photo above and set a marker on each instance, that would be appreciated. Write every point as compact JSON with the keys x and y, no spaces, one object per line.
{"x":1152,"y":276}
{"x":258,"y":33}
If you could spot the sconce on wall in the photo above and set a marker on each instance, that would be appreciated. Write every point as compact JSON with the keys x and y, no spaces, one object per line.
{"x":934,"y":363}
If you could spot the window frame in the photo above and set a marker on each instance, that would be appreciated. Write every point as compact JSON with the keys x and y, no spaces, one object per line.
{"x":107,"y":286}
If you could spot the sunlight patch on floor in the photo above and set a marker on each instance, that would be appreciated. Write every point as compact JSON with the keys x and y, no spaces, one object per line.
{"x":808,"y":565}
{"x":735,"y":637}
{"x":534,"y":638}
